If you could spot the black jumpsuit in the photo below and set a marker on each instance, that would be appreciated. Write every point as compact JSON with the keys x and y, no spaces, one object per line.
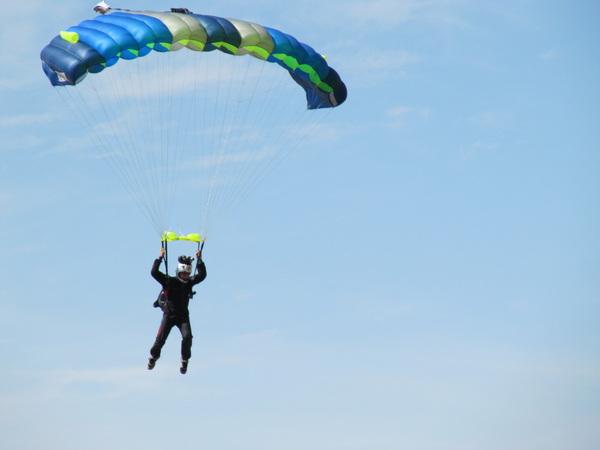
{"x":175,"y":312}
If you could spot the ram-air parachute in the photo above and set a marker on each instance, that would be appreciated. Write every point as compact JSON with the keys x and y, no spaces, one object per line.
{"x":202,"y":126}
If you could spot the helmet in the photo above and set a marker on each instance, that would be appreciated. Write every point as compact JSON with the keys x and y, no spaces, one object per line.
{"x":185,"y":266}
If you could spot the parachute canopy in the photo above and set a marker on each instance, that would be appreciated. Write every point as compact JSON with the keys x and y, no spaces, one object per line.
{"x":95,"y":45}
{"x":190,"y":134}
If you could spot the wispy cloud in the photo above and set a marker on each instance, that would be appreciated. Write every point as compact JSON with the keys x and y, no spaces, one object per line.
{"x":19,"y":130}
{"x":390,"y":13}
{"x":490,"y":119}
{"x":28,"y":26}
{"x":48,"y":386}
{"x":402,"y":116}
{"x":404,"y":111}
{"x":25,"y":119}
{"x":382,"y":11}
{"x":114,"y":381}
{"x":370,"y":66}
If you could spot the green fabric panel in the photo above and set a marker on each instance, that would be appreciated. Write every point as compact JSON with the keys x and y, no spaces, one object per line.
{"x":257,"y":52}
{"x":314,"y":77}
{"x":232,"y":48}
{"x":69,"y":36}
{"x":198,"y":37}
{"x":289,"y":61}
{"x":325,"y":87}
{"x":195,"y":45}
{"x":255,"y":39}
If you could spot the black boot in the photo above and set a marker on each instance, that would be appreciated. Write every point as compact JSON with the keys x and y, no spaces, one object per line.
{"x":183,"y":368}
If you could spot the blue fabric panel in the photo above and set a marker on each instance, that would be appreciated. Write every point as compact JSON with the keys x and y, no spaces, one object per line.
{"x":52,"y":76}
{"x":304,"y":54}
{"x":121,"y":36}
{"x":162,"y":33}
{"x":296,"y":49}
{"x":316,"y":61}
{"x":299,"y":54}
{"x":315,"y":98}
{"x":232,"y":36}
{"x":318,"y":99}
{"x":282,"y":43}
{"x":73,"y":60}
{"x":214,"y":30}
{"x":101,"y":42}
{"x":93,"y":60}
{"x":57,"y":60}
{"x":287,"y":45}
{"x":340,"y":92}
{"x":141,"y":32}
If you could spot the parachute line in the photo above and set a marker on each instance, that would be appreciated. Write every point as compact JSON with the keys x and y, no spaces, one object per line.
{"x":191,"y":134}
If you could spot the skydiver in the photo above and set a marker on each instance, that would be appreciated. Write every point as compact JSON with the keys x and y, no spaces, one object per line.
{"x":174,"y":299}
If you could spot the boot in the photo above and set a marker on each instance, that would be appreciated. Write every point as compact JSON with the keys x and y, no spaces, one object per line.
{"x":183,"y":368}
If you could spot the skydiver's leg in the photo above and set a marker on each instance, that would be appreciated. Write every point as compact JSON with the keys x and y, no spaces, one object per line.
{"x":166,"y":325}
{"x":186,"y":339}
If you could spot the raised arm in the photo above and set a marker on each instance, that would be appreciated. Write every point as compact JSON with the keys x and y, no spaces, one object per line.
{"x":155,"y":272}
{"x":200,"y":269}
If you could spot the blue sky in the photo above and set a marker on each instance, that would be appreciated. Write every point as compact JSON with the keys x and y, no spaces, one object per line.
{"x":425,"y":276}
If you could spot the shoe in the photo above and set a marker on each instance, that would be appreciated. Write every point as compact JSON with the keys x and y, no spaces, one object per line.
{"x":151,"y":362}
{"x":183,"y":368}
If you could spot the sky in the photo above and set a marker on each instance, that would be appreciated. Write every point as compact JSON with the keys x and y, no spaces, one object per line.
{"x":424,"y":277}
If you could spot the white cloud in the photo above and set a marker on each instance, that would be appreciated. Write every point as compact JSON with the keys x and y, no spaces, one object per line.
{"x":28,"y":27}
{"x":400,"y":116}
{"x":25,"y":119}
{"x":115,"y":381}
{"x":403,"y":111}
{"x":371,"y":66}
{"x":47,"y":387}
